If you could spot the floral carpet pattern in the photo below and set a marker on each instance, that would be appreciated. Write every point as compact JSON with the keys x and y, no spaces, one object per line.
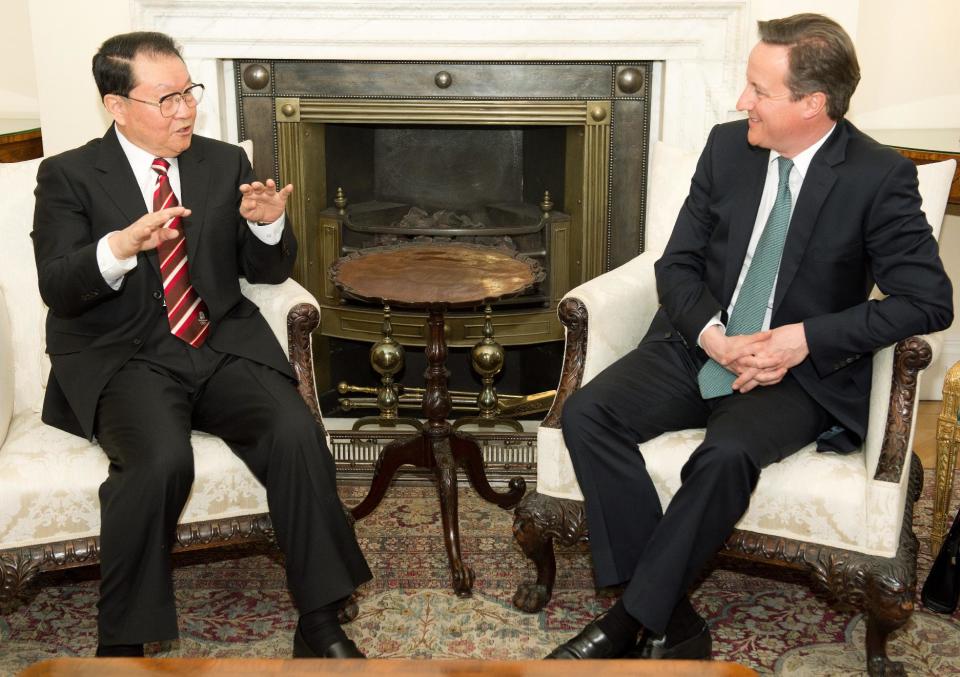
{"x":235,"y":603}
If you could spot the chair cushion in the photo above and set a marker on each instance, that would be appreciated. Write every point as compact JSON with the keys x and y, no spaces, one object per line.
{"x":808,"y":496}
{"x":49,"y":482}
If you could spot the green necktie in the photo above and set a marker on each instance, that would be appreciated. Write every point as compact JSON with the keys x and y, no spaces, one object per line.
{"x":751,"y":305}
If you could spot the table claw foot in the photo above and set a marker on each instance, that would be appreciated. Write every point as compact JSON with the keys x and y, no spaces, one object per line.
{"x":463,"y":578}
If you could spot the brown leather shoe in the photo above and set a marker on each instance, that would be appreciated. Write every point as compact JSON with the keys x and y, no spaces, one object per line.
{"x":342,"y":649}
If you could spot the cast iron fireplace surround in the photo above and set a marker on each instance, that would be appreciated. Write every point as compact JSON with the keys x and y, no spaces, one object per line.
{"x":545,"y":158}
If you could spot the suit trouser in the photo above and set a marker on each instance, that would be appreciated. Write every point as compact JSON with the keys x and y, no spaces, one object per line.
{"x":144,"y":419}
{"x":653,"y":390}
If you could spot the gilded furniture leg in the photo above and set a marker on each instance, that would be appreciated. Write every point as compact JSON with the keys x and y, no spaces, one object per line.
{"x":948,"y":438}
{"x":538,"y":521}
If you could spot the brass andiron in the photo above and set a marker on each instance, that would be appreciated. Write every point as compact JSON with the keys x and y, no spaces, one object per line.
{"x":386,"y":357}
{"x":487,"y":359}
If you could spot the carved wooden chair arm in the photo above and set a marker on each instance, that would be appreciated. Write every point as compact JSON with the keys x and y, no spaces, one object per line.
{"x":293,"y":314}
{"x":910,"y":357}
{"x":620,"y":305}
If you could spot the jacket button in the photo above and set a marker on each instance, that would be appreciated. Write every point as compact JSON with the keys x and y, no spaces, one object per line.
{"x":667,"y":334}
{"x":157,"y":295}
{"x":137,"y":341}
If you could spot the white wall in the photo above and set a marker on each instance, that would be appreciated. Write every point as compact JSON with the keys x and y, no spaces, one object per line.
{"x":910,"y":78}
{"x":18,"y":81}
{"x":65,"y":36}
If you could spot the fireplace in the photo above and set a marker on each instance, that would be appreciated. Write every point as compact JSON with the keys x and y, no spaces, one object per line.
{"x":547,"y":159}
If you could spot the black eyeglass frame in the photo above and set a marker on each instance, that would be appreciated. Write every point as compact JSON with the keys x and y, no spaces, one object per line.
{"x":179,"y":97}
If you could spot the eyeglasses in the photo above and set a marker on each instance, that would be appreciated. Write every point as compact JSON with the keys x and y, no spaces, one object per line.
{"x":170,"y":104}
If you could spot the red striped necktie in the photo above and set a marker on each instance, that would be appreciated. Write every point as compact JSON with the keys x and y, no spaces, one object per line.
{"x":186,"y":311}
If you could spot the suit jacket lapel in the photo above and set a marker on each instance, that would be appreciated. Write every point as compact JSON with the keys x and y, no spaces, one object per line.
{"x":744,"y":215}
{"x":194,"y":179}
{"x":120,"y":184}
{"x":817,"y":185}
{"x":117,"y":178}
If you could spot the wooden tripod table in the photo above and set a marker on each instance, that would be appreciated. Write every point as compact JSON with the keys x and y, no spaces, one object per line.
{"x":437,"y":277}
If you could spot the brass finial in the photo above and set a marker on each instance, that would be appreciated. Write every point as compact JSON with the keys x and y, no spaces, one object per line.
{"x":546,"y":204}
{"x":340,"y":201}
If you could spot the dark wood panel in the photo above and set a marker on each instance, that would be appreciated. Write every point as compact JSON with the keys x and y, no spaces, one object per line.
{"x":922,"y":157}
{"x":21,"y":146}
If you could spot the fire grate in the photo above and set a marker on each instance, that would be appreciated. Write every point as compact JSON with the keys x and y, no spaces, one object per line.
{"x":505,"y":455}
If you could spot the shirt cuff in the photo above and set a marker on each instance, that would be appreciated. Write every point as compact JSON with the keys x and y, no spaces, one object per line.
{"x":268,"y":233}
{"x":111,"y":268}
{"x":714,"y":322}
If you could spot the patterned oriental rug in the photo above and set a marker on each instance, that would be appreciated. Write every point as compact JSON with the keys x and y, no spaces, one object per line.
{"x":235,"y":603}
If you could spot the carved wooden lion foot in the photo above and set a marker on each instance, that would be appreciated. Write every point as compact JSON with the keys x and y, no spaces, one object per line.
{"x":537,"y":522}
{"x":531,"y":597}
{"x":881,"y":666}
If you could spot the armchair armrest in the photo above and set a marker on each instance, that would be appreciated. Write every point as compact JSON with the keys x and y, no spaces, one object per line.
{"x":604,"y":318}
{"x":897,"y":372}
{"x":292,"y":313}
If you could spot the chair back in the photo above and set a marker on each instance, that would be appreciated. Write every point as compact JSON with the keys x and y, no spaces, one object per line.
{"x":18,"y":285}
{"x":934,"y":186}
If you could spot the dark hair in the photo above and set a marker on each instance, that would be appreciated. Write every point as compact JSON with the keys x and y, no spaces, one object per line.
{"x":112,"y":68}
{"x":822,"y":58}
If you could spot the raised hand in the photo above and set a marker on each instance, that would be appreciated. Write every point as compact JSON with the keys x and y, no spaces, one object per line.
{"x":263,"y":203}
{"x":145,"y":233}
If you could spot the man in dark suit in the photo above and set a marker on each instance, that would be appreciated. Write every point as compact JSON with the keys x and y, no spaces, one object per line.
{"x":764,"y":335}
{"x":140,"y":238}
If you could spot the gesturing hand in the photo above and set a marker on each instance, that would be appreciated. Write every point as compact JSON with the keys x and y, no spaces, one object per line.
{"x":263,"y":202}
{"x":145,"y":233}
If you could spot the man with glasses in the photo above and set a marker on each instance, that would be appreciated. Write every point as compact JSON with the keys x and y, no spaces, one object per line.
{"x":140,"y":238}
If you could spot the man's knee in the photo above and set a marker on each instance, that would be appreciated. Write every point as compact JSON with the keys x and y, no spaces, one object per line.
{"x":582,"y":411}
{"x":729,"y":463}
{"x":167,"y":465}
{"x":295,"y":428}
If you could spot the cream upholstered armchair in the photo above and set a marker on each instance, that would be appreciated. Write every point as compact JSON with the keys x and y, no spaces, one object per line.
{"x":49,"y":479}
{"x":845,"y":518}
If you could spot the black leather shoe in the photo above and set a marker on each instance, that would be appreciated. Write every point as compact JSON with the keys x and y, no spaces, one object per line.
{"x":592,"y":642}
{"x":698,"y":646}
{"x":342,"y":649}
{"x":119,"y":651}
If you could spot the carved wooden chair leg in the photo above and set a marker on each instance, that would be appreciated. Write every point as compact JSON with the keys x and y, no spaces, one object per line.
{"x":878,"y":664}
{"x":538,"y":521}
{"x":538,"y":546}
{"x":18,"y":569}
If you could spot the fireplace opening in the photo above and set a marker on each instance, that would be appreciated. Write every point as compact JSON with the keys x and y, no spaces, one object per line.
{"x":548,"y":159}
{"x":456,"y":183}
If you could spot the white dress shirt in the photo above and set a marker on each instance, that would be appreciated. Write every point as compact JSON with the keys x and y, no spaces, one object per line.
{"x":141,"y":162}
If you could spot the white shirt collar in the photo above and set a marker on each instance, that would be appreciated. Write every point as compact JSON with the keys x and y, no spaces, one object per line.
{"x":141,"y":162}
{"x":802,"y":160}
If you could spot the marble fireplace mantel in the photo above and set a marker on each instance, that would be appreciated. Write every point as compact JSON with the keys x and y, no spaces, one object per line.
{"x":702,"y":45}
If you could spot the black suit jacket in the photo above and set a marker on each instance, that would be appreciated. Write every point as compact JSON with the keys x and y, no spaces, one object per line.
{"x":857,"y":221}
{"x":92,"y":330}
